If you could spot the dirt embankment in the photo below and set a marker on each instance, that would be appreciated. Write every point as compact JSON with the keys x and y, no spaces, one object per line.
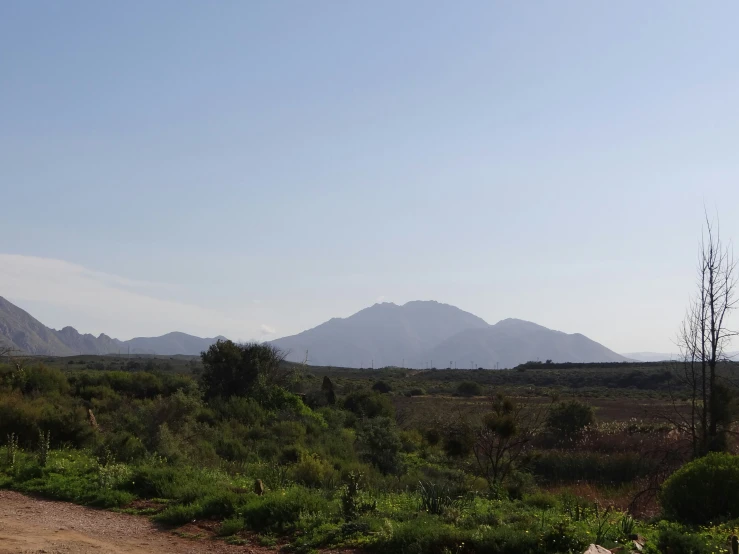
{"x":30,"y":525}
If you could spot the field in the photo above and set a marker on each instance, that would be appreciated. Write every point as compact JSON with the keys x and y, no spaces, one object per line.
{"x":535,"y":459}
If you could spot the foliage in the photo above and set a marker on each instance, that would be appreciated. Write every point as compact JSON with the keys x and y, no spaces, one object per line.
{"x":469,"y":388}
{"x":44,"y":444}
{"x":347,"y":475}
{"x":231,"y":369}
{"x":437,"y":498}
{"x":382,"y":387}
{"x":11,"y":450}
{"x":503,"y":439}
{"x":379,"y":444}
{"x":703,"y":490}
{"x":352,"y":504}
{"x":568,"y":419}
{"x":369,"y":404}
{"x":676,"y":540}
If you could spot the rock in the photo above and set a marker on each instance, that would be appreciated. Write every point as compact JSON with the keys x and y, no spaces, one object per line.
{"x":596,"y":549}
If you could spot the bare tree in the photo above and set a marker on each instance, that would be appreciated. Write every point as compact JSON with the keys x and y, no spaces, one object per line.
{"x":503,"y":440}
{"x":703,"y":339}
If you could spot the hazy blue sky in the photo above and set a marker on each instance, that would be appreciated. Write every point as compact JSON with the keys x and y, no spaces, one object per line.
{"x":255,"y":168}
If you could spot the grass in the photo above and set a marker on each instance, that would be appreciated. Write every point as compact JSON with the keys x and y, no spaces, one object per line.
{"x":310,"y":518}
{"x":161,"y":449}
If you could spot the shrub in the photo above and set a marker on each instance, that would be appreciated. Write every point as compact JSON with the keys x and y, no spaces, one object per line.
{"x":459,"y":439}
{"x":379,"y":444}
{"x":281,"y":511}
{"x":311,"y":471}
{"x":469,"y":388}
{"x":352,"y":504}
{"x":370,"y":404}
{"x":231,"y":526}
{"x":231,"y":369}
{"x":436,"y":498}
{"x":382,"y":387}
{"x":674,"y":540}
{"x":568,"y":419}
{"x":411,"y":439}
{"x":703,"y":490}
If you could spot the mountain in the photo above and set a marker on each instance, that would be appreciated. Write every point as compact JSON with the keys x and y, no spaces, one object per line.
{"x":381,"y":335}
{"x":20,"y":331}
{"x":420,"y":334}
{"x":169,"y":344}
{"x":513,"y":341}
{"x":416,"y":334}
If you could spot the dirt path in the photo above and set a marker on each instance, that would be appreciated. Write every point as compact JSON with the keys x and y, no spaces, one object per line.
{"x":30,"y":525}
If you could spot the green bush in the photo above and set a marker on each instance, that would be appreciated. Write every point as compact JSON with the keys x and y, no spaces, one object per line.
{"x":675,"y":540}
{"x":382,"y":387}
{"x":370,"y":404}
{"x":704,"y":490}
{"x":231,"y":369}
{"x":469,"y":388}
{"x":311,"y":471}
{"x":281,"y":510}
{"x":231,"y":526}
{"x":568,"y":419}
{"x":379,"y":444}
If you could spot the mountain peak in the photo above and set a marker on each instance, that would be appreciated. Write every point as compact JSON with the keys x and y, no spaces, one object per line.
{"x":19,"y":330}
{"x":421,"y":332}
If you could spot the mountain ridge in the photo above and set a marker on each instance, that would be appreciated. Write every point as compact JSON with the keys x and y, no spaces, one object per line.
{"x":20,"y":331}
{"x":464,"y":338}
{"x":413,"y":334}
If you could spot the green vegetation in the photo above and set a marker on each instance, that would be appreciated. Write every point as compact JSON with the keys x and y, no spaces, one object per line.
{"x":705,"y":490}
{"x":391,"y":460}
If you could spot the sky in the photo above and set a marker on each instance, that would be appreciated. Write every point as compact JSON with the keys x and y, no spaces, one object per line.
{"x":253,"y":169}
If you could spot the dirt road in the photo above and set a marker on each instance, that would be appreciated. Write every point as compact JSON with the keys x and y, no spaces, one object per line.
{"x":30,"y":525}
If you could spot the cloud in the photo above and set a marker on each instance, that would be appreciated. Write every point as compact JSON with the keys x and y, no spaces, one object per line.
{"x":380,"y":299}
{"x":60,"y":293}
{"x":267,"y":330}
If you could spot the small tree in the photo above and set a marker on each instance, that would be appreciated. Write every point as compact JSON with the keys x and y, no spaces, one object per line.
{"x":469,"y":388}
{"x":365,"y":403}
{"x":504,"y":438}
{"x":382,"y":387}
{"x":568,"y":419}
{"x":327,"y":387}
{"x":231,"y":369}
{"x":380,"y":444}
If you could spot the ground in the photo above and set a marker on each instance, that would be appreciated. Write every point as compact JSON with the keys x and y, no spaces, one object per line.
{"x":30,"y":525}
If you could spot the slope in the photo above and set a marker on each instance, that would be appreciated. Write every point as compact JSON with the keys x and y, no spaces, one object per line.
{"x":381,"y":335}
{"x":513,"y":341}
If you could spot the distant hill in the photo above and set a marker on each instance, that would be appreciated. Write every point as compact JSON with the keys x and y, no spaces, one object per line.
{"x":511,"y":342}
{"x":22,"y":332}
{"x":417,"y":334}
{"x":169,"y":344}
{"x":383,"y":334}
{"x":421,"y":333}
